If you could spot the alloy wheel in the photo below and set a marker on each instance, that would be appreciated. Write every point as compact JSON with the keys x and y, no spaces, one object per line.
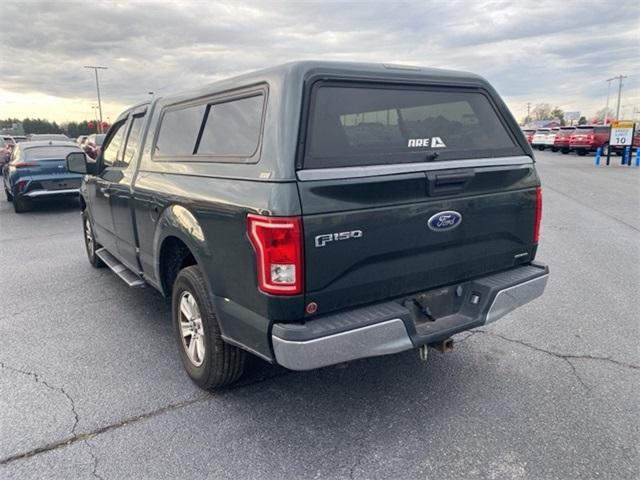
{"x":191,"y":329}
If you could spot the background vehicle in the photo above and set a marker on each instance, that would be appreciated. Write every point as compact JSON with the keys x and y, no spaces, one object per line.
{"x":5,"y":152}
{"x":37,"y":171}
{"x":81,"y":139}
{"x":336,"y":220}
{"x":539,"y":139}
{"x":588,"y":138}
{"x":93,"y":144}
{"x":549,"y":141}
{"x":528,"y":133}
{"x":562,"y":137}
{"x":35,"y":137}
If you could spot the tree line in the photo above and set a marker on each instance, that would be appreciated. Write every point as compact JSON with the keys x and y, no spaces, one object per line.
{"x":40,"y":125}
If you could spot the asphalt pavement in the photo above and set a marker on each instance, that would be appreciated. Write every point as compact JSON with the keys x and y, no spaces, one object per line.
{"x":91,"y":384}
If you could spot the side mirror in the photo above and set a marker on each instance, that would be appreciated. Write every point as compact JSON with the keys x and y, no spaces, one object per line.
{"x":76,"y":162}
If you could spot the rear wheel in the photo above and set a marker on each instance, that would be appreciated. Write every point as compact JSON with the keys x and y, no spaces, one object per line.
{"x":21,"y":204}
{"x":209,"y":361}
{"x":90,"y":242}
{"x":554,"y":149}
{"x":565,"y":151}
{"x":541,"y":148}
{"x":582,"y":153}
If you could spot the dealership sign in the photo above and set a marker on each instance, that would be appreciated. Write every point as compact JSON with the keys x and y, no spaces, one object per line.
{"x":621,"y":133}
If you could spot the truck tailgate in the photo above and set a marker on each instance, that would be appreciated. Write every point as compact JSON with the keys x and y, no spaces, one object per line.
{"x":368,"y":239}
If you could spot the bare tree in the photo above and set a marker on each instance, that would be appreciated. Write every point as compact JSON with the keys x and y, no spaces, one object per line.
{"x":541,"y":111}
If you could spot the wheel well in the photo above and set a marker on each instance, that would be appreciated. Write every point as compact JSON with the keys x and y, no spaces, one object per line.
{"x":174,"y":256}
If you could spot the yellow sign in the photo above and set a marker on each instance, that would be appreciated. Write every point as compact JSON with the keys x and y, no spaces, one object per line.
{"x":621,"y":133}
{"x":621,"y":124}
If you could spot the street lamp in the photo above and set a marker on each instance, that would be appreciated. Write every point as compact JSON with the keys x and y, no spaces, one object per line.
{"x":95,"y":69}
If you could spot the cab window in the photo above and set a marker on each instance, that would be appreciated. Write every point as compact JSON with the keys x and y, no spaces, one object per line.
{"x":112,"y":151}
{"x":132,"y":141}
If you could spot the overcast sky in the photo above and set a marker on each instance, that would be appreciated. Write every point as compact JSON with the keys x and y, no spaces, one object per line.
{"x":558,"y":52}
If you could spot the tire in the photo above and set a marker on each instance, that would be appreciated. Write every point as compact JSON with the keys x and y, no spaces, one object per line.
{"x":220,"y":364}
{"x":90,"y":243}
{"x":8,"y":195}
{"x":21,"y":205}
{"x":565,"y":151}
{"x":582,"y":153}
{"x":541,"y":149}
{"x":619,"y":154}
{"x":554,"y":149}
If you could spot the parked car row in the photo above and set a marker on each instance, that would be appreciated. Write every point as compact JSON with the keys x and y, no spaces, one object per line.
{"x":581,"y":139}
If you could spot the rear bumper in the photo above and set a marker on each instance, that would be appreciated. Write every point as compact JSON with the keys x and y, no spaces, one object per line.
{"x":52,"y":193}
{"x":582,"y":146}
{"x":389,"y":327}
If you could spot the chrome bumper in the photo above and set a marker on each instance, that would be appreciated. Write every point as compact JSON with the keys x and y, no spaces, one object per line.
{"x":389,"y":335}
{"x":51,"y":193}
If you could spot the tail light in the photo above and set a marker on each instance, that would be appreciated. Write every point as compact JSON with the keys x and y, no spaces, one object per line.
{"x":277,"y":242}
{"x":20,"y":186}
{"x":590,"y":138}
{"x":538,"y":215}
{"x":25,"y":165}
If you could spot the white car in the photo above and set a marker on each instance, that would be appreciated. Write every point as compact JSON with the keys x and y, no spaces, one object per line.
{"x":539,"y":139}
{"x":551,"y":138}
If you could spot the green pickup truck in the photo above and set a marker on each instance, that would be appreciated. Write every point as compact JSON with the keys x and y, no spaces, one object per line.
{"x":318,"y":212}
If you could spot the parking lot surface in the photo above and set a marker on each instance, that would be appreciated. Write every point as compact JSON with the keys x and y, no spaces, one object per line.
{"x":91,"y":384}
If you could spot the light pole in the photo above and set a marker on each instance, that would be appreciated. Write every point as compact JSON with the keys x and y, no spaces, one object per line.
{"x":95,"y":111}
{"x":95,"y":69}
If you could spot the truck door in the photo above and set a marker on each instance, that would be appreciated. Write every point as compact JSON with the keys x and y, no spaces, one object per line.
{"x":100,"y":187}
{"x":121,"y":194}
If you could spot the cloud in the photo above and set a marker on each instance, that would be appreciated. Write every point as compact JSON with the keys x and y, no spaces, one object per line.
{"x":544,"y":51}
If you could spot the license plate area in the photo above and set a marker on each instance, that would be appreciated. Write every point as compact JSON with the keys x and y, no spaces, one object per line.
{"x":429,"y":307}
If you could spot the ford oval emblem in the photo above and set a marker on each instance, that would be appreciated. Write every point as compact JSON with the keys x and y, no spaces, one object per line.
{"x":443,"y":221}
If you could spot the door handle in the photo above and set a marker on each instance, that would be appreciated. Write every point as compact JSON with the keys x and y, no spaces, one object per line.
{"x":448,"y":182}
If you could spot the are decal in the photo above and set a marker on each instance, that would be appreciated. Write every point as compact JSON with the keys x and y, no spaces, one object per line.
{"x":433,"y":142}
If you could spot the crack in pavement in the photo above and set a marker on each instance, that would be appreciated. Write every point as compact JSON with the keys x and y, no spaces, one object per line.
{"x":38,"y":379}
{"x":89,"y":435}
{"x":567,"y":357}
{"x":94,"y":457}
{"x":84,"y":437}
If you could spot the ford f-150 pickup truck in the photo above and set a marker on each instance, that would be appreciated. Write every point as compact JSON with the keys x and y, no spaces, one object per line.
{"x":318,"y":212}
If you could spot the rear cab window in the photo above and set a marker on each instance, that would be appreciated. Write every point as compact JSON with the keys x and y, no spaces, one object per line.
{"x":358,"y":125}
{"x":221,"y":130}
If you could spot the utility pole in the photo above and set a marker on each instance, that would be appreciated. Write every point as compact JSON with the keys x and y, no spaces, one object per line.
{"x":606,"y":109}
{"x":95,"y":69}
{"x":619,"y":78}
{"x":528,"y":112}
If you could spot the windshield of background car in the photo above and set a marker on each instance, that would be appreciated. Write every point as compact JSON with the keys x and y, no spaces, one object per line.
{"x":40,"y":153}
{"x":99,"y":139}
{"x":353,"y":125}
{"x":583,"y":131}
